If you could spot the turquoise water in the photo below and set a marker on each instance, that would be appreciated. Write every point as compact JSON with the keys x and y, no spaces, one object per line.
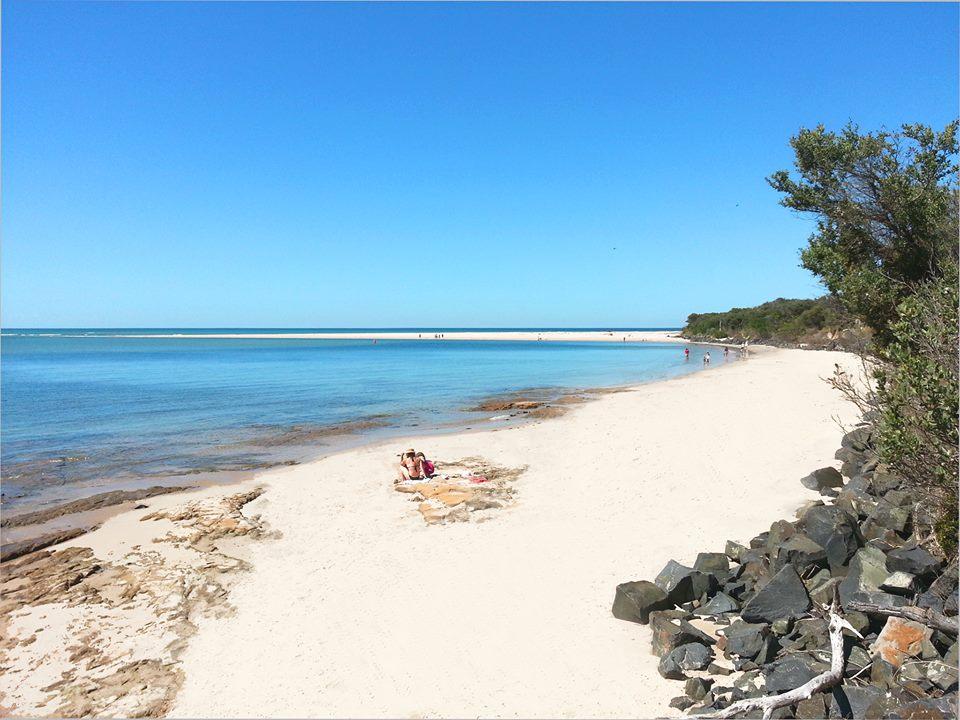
{"x":84,"y":409}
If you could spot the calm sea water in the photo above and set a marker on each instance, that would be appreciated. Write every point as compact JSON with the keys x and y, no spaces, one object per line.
{"x":91,"y":409}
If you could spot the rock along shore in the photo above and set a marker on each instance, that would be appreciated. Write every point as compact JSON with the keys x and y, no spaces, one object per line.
{"x":751,"y":621}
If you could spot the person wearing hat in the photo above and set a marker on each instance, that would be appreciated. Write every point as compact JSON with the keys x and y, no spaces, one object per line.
{"x":411,"y":468}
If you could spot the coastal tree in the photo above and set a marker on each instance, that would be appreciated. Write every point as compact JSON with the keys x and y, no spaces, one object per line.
{"x":886,"y":206}
{"x":886,"y":211}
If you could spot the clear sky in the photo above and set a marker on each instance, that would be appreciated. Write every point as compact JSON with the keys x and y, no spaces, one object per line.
{"x":319,"y":165}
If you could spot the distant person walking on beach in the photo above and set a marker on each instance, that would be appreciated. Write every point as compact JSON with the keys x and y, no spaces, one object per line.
{"x":726,"y":352}
{"x":706,"y":358}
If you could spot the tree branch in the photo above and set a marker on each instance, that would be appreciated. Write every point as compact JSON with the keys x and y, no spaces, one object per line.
{"x":925,"y":616}
{"x":820,"y":683}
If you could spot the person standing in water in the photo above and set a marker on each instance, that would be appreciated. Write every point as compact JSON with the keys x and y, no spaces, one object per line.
{"x":686,"y":353}
{"x":706,"y":358}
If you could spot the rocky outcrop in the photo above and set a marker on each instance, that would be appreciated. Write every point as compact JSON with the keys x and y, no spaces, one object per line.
{"x":13,"y":550}
{"x":120,"y":625}
{"x":94,"y":502}
{"x":462,"y":491}
{"x":765,"y":606}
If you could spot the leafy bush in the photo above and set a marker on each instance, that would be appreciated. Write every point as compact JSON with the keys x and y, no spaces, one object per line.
{"x":886,"y":245}
{"x":886,"y":208}
{"x":917,"y":398}
{"x":777,"y":320}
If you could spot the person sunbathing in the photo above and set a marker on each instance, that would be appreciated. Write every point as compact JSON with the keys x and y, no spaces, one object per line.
{"x":429,"y":469}
{"x":411,"y":468}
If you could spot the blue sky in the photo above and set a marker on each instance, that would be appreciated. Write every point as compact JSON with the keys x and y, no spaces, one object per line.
{"x":318,"y":165}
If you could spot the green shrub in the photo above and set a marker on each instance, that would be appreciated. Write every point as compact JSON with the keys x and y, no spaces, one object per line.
{"x":780,"y":319}
{"x":887,"y":215}
{"x":917,"y":395}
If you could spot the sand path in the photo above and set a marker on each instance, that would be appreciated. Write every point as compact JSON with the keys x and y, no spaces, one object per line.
{"x":361,"y":610}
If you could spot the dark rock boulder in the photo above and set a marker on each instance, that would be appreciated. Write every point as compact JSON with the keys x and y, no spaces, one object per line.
{"x":745,"y":640}
{"x":771,"y":646}
{"x":784,"y":596}
{"x":799,"y":551}
{"x":826,"y":477}
{"x":750,"y":683}
{"x":835,"y":531}
{"x":883,"y":674}
{"x":824,"y":592}
{"x":697,"y":688}
{"x":754,"y":566}
{"x":670,"y":629}
{"x":733,"y":549}
{"x":909,"y":708}
{"x":855,"y":500}
{"x":779,"y":532}
{"x":736,"y":589}
{"x":849,"y":701}
{"x":682,"y":702}
{"x":899,"y":583}
{"x":684,"y":584}
{"x":887,"y":516}
{"x":634,"y":601}
{"x":880,"y":599}
{"x":717,"y":605}
{"x":664,"y":624}
{"x":692,"y":656}
{"x":858,"y":439}
{"x":811,"y":634}
{"x":942,"y":593}
{"x":915,"y":560}
{"x":716,"y":563}
{"x":901,"y":498}
{"x":857,"y":660}
{"x":883,"y":480}
{"x":853,"y":461}
{"x":790,"y":672}
{"x":814,"y":708}
{"x":867,"y":571}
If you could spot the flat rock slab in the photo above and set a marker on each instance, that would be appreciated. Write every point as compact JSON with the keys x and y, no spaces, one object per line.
{"x":466,"y":487}
{"x":900,"y":639}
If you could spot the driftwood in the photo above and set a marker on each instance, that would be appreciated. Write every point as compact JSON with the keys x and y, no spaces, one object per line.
{"x":924,"y":616}
{"x":821,"y":682}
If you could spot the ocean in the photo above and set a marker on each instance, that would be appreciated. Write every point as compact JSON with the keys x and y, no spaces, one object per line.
{"x":85,"y":411}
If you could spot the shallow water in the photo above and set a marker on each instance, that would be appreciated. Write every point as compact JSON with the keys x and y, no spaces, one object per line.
{"x":85,"y":411}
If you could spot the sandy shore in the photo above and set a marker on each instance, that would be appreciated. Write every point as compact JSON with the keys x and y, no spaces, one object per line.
{"x":336,"y":599}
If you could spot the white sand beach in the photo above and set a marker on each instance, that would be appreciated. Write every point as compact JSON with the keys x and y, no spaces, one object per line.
{"x":354,"y":607}
{"x":484,"y":335}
